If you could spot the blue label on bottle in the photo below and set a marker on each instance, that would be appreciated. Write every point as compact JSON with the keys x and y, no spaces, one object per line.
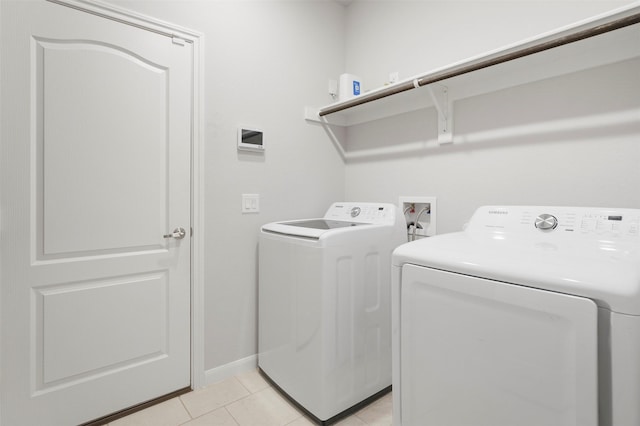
{"x":356,"y":87}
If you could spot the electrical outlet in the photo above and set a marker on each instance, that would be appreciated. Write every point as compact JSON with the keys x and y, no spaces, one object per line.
{"x":333,"y":88}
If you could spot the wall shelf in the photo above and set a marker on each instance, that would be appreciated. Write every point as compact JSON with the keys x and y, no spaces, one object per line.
{"x":602,"y":40}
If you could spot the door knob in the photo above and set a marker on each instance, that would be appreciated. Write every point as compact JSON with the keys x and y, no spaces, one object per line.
{"x":177,"y":233}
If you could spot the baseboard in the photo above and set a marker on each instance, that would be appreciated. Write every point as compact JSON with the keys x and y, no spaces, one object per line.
{"x":231,"y":369}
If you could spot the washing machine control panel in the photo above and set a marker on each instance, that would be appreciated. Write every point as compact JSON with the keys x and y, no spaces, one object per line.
{"x":378,"y":213}
{"x":588,"y":222}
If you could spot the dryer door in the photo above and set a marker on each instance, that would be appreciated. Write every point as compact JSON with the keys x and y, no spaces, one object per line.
{"x":481,"y":352}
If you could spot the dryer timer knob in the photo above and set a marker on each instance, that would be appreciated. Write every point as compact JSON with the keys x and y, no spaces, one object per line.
{"x":546,"y":222}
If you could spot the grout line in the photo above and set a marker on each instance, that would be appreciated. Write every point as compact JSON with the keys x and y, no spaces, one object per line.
{"x":242,"y":384}
{"x":231,"y":415}
{"x":235,"y":400}
{"x":298,"y":418}
{"x":185,"y":408}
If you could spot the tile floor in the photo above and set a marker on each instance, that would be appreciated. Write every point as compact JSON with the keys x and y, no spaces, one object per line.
{"x":246,"y":399}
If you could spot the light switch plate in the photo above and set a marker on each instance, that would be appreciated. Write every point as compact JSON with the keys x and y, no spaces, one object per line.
{"x":250,"y":203}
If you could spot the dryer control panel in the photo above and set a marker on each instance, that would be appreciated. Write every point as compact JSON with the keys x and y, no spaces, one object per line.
{"x":587,"y":222}
{"x":376,"y":213}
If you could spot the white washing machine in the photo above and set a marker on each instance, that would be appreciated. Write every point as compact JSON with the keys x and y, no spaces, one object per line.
{"x":529,"y":317}
{"x":324,"y":306}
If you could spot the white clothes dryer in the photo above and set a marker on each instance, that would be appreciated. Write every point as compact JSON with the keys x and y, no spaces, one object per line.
{"x":529,"y":317}
{"x":324,"y":306}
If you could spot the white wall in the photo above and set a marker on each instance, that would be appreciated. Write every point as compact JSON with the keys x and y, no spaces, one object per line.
{"x":264,"y":61}
{"x":415,"y":36}
{"x":267,"y":59}
{"x":570,"y":140}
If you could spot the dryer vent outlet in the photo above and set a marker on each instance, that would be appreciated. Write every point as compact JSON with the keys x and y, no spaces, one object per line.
{"x":420,"y":215}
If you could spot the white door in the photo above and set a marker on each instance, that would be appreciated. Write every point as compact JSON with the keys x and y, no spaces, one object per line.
{"x":96,"y":139}
{"x":477,"y":352}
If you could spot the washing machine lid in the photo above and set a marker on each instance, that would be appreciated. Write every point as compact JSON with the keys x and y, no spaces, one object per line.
{"x":308,"y":228}
{"x":340,"y":217}
{"x":593,"y":253}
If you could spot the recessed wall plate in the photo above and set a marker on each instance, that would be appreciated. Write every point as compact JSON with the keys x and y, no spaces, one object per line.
{"x":250,"y":139}
{"x":420,"y":214}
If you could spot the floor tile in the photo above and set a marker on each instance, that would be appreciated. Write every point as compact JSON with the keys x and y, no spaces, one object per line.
{"x":301,"y":421}
{"x":264,"y":408}
{"x":351,"y":421}
{"x":219,"y":417}
{"x":244,"y":400}
{"x":253,"y":381}
{"x":214,"y":396}
{"x":378,"y":413}
{"x":168,"y":413}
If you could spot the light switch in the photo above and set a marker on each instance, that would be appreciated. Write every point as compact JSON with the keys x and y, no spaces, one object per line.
{"x":250,"y":203}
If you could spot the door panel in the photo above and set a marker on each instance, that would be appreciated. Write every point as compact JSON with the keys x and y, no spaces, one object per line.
{"x":96,"y":153}
{"x":72,"y":350}
{"x":112,"y":135}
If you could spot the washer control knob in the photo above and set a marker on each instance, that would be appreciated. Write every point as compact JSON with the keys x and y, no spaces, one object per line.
{"x":355,"y":211}
{"x":546,"y":222}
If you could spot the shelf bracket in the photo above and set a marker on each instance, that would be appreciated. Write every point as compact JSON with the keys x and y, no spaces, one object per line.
{"x":440,"y":97}
{"x":311,"y":115}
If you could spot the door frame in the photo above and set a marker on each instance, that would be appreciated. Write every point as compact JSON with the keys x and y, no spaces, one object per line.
{"x":180,"y":35}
